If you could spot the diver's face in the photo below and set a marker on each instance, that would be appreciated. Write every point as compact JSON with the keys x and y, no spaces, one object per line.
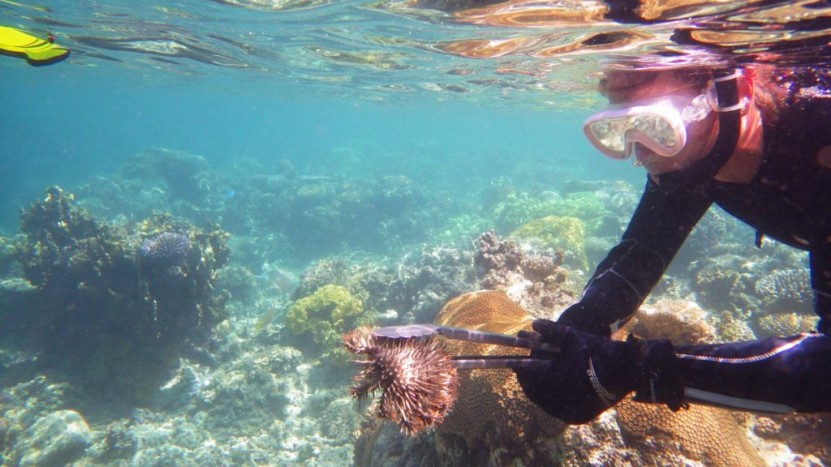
{"x":622,"y":87}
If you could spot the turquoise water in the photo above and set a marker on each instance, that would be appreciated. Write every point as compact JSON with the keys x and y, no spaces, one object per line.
{"x":69,"y":122}
{"x":302,"y":157}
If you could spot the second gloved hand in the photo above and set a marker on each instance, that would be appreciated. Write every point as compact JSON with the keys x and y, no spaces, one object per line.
{"x":592,"y":373}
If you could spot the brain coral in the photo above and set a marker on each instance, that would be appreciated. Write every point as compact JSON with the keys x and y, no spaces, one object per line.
{"x":703,"y":434}
{"x":491,"y":409}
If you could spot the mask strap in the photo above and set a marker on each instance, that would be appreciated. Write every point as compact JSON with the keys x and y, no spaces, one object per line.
{"x":729,"y":119}
{"x":742,"y":101}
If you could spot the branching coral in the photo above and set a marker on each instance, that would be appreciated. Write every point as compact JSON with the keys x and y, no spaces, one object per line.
{"x":538,"y":282}
{"x":791,"y":287}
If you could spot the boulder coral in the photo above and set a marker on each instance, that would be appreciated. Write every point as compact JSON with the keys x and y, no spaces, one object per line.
{"x":681,"y":321}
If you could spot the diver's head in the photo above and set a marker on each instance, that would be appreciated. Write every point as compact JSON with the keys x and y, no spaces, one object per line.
{"x":664,"y":119}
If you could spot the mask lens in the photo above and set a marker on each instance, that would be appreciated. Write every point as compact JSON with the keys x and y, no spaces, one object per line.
{"x":614,"y":134}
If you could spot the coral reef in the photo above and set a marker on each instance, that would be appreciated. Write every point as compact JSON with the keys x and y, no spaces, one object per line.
{"x":807,"y":435}
{"x":166,"y":246}
{"x":590,"y":207}
{"x":181,"y":177}
{"x":7,"y":261}
{"x":721,"y":285}
{"x":560,"y":233}
{"x":599,"y":442}
{"x":742,"y":278}
{"x":413,"y":288}
{"x":318,"y":215}
{"x":785,"y":289}
{"x":424,"y":281}
{"x":57,"y":439}
{"x":784,"y":324}
{"x":491,"y":409}
{"x":324,"y":315}
{"x":681,"y":321}
{"x":109,"y":315}
{"x":311,"y":216}
{"x":132,"y":331}
{"x":38,"y":401}
{"x":239,"y":282}
{"x":539,"y":283}
{"x":519,"y":208}
{"x":705,"y":435}
{"x":159,"y":180}
{"x":711,"y":232}
{"x":733,"y":328}
{"x":255,"y":379}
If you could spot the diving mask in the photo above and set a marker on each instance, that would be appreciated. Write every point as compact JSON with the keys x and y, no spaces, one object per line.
{"x":660,"y":124}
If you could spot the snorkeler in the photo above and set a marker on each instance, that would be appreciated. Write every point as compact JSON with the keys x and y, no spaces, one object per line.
{"x":757,"y":145}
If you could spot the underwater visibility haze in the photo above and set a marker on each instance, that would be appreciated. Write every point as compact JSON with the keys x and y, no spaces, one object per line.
{"x":204,"y":196}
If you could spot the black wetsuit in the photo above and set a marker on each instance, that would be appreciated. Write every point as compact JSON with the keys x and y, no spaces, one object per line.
{"x":788,"y":200}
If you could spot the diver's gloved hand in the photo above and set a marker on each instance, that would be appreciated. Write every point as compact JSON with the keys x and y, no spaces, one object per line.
{"x":607,"y":303}
{"x":586,"y":317}
{"x":592,"y":373}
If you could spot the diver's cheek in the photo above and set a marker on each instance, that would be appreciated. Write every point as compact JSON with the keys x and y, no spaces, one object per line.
{"x":641,"y":155}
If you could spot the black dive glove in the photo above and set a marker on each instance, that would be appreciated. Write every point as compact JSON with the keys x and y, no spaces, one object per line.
{"x":607,"y":303}
{"x":592,"y":373}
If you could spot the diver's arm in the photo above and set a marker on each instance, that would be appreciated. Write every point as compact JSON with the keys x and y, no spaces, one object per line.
{"x":779,"y":375}
{"x":821,"y":284}
{"x":590,"y":373}
{"x":661,"y":223}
